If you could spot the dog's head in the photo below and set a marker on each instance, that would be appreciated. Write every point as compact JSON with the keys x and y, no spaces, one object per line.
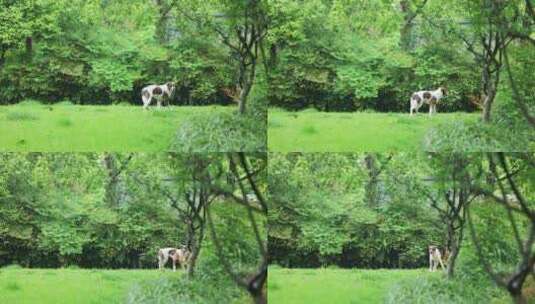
{"x":432,"y":249}
{"x":444,"y":91}
{"x":171,"y":86}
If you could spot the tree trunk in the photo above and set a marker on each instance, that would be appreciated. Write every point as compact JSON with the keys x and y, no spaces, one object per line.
{"x":405,"y":34}
{"x":161,"y":23}
{"x":196,"y":246}
{"x":519,"y":298}
{"x":405,"y":39}
{"x":260,"y":298}
{"x":192,"y":263}
{"x":243,"y":97}
{"x":451,"y":261}
{"x":371,"y":188}
{"x":2,"y":57}
{"x":29,"y":47}
{"x":487,"y":105}
{"x":246,"y":86}
{"x":454,"y":241}
{"x":256,"y":287}
{"x":489,"y":81}
{"x":246,"y":80}
{"x":112,"y":186}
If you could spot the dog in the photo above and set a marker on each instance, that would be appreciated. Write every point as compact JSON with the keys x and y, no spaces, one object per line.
{"x":181,"y":255}
{"x":435,"y":258}
{"x":430,"y":97}
{"x":157,"y":92}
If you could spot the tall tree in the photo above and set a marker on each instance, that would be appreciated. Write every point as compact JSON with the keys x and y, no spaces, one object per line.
{"x":508,"y":192}
{"x":410,"y":10}
{"x":248,"y":191}
{"x":193,"y":180}
{"x":451,"y":193}
{"x":242,"y":27}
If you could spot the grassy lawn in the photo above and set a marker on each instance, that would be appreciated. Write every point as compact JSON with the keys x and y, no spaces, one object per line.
{"x":72,"y":128}
{"x":343,"y":286}
{"x":311,"y":131}
{"x":56,"y":286}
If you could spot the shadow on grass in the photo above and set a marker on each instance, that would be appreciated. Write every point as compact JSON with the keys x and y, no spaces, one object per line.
{"x":309,"y":130}
{"x":12,"y":286}
{"x":21,"y":116}
{"x":65,"y":122}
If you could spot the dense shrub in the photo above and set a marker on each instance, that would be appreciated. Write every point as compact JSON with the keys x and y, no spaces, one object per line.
{"x":103,"y":54}
{"x":205,"y":290}
{"x":507,"y":132}
{"x":221,"y":132}
{"x":437,"y":289}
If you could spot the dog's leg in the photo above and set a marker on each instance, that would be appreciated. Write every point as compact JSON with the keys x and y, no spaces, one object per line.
{"x":441,"y":264}
{"x":174,"y":264}
{"x":146,"y":100}
{"x":430,"y":263}
{"x":163,"y":261}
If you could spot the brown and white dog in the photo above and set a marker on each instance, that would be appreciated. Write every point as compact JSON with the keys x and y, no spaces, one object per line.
{"x":181,"y":255}
{"x":157,"y":92}
{"x":435,"y":258}
{"x":430,"y":97}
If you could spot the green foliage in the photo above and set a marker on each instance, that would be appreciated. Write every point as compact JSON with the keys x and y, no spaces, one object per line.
{"x":220,"y":132}
{"x":346,"y":56}
{"x":435,"y":289}
{"x":182,"y":290}
{"x":504,"y":134}
{"x":61,"y":209}
{"x":95,"y":53}
{"x":321,"y":214}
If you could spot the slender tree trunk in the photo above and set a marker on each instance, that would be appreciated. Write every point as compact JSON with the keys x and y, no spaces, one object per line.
{"x":247,"y":77}
{"x":162,"y":22}
{"x":371,"y":188}
{"x":243,"y":98}
{"x":406,"y":36}
{"x":112,"y":186}
{"x":450,"y":267}
{"x":488,"y":100}
{"x":196,"y":250}
{"x":29,"y":47}
{"x":451,"y":261}
{"x":489,"y":80}
{"x":2,"y":57}
{"x":455,"y":239}
{"x":519,"y":298}
{"x":260,"y":298}
{"x":405,"y":33}
{"x":256,"y":288}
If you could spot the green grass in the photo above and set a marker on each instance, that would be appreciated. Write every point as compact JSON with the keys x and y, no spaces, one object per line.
{"x":54,"y":286}
{"x":343,"y":286}
{"x":72,"y":128}
{"x":311,"y":131}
